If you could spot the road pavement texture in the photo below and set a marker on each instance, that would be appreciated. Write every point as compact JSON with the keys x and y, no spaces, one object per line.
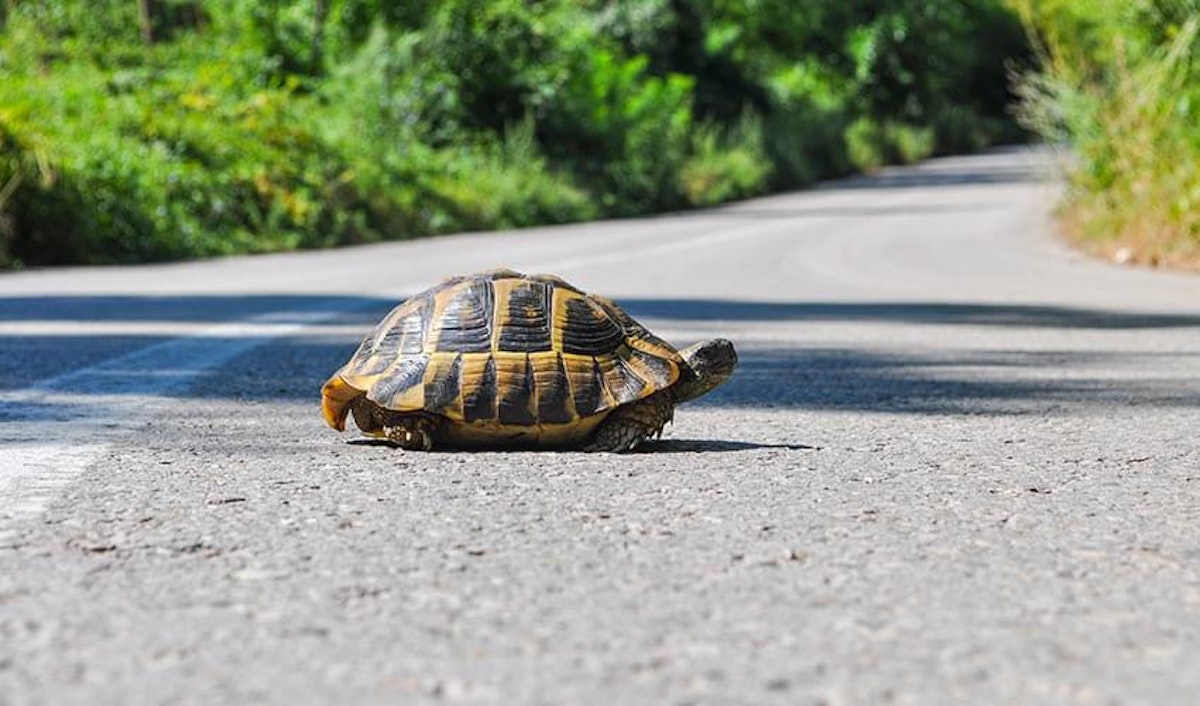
{"x":958,"y":464}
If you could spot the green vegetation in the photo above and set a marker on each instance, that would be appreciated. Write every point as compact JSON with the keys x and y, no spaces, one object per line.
{"x":134,"y":130}
{"x":1120,"y":83}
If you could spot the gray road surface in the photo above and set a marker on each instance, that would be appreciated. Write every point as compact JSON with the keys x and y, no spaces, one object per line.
{"x":958,"y":465}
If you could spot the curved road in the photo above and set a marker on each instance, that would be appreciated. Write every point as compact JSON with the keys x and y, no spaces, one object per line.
{"x":958,"y":464}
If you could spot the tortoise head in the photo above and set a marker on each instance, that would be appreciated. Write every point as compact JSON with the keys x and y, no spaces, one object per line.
{"x":712,"y":362}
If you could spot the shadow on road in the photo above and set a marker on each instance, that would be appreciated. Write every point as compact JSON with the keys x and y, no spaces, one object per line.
{"x":905,"y":312}
{"x":661,"y":446}
{"x":185,"y":309}
{"x":763,"y":210}
{"x":658,"y":446}
{"x":872,"y":379}
{"x":1020,"y":166}
{"x":949,"y":382}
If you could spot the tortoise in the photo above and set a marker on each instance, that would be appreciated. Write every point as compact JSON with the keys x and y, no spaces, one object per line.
{"x":504,"y":359}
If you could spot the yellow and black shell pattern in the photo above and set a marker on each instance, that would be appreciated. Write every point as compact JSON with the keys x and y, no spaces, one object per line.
{"x":502,"y":350}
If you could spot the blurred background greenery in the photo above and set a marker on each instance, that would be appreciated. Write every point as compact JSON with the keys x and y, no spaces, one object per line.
{"x":135,"y":130}
{"x":1118,"y":83}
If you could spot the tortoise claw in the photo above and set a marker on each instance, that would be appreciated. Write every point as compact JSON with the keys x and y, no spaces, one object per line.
{"x":411,"y":434}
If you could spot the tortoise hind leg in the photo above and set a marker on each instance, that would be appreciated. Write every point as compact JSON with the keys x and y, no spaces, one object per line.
{"x":412,"y":432}
{"x":632,"y":424}
{"x":366,"y":415}
{"x":409,"y":431}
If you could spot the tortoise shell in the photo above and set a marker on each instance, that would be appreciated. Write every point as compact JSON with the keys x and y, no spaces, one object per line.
{"x":500,"y":350}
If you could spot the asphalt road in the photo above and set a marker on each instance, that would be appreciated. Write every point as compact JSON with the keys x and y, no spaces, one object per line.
{"x":958,"y":464}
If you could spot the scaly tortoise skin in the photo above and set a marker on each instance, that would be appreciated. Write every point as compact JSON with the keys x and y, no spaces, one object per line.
{"x":503,"y":359}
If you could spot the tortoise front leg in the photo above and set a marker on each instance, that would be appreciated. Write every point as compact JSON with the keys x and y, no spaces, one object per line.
{"x":632,"y":424}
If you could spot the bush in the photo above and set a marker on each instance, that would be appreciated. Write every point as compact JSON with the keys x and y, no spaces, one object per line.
{"x":909,"y":143}
{"x":864,"y":145}
{"x":802,"y":132}
{"x":625,"y":132}
{"x":1119,"y":85}
{"x":227,"y":126}
{"x":871,"y":145}
{"x":725,"y":165}
{"x":506,"y":186}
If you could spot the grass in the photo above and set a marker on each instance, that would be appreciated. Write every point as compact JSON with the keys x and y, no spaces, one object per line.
{"x":1131,"y":115}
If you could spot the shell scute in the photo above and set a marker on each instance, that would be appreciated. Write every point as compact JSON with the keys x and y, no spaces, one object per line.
{"x":523,"y":316}
{"x":551,"y":388}
{"x":463,"y":322}
{"x":584,"y":328}
{"x":588,"y":392}
{"x":402,"y":386}
{"x":442,"y":381}
{"x":479,"y":388}
{"x":514,"y":389}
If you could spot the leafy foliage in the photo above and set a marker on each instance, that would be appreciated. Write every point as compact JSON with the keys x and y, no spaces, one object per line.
{"x":725,"y":164}
{"x":135,"y":130}
{"x":1119,"y":83}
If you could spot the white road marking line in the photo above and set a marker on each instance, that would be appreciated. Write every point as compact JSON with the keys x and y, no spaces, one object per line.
{"x":43,"y":469}
{"x":44,"y":445}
